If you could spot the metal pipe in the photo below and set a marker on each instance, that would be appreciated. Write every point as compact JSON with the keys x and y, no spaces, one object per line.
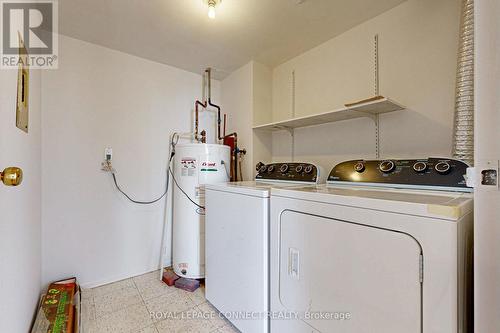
{"x":240,"y":153}
{"x":463,"y":129}
{"x":225,"y":116}
{"x":235,"y":152}
{"x":236,"y":149}
{"x":196,"y":121}
{"x":204,"y":93}
{"x":209,"y":74}
{"x":208,"y":71}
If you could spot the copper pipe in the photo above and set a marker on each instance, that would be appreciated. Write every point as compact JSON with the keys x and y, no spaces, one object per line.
{"x":218,"y":118}
{"x":209,"y":72}
{"x":241,"y":168}
{"x":235,"y":152}
{"x":225,"y":116}
{"x":219,"y":136}
{"x":196,"y":121}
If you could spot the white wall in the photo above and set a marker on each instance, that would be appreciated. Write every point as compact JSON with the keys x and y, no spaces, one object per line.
{"x":418,"y":51}
{"x":20,"y":217}
{"x":487,"y":145}
{"x":246,"y":98}
{"x":103,"y":98}
{"x":236,"y":91}
{"x":262,"y":80}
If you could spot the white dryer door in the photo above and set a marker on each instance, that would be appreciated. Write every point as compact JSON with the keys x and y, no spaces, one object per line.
{"x":364,"y":278}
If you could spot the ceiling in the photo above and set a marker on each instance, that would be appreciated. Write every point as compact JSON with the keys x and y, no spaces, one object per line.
{"x":179,"y":32}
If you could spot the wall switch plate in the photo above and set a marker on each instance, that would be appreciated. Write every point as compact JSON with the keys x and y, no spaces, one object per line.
{"x":108,"y":154}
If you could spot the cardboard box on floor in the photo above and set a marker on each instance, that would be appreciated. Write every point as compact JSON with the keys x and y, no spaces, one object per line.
{"x":59,"y":308}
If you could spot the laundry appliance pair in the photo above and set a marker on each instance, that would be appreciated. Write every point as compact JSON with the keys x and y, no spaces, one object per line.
{"x":384,"y":246}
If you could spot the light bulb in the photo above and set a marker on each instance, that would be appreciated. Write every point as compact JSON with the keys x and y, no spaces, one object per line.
{"x":211,"y":11}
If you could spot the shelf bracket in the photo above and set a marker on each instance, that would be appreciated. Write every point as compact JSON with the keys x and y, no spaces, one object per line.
{"x":285,"y":128}
{"x":372,"y":116}
{"x":376,"y":120}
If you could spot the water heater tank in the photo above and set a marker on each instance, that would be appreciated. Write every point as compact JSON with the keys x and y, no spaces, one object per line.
{"x":194,"y":166}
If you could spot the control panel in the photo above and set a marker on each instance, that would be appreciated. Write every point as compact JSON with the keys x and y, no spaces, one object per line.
{"x":296,"y":172}
{"x":430,"y":172}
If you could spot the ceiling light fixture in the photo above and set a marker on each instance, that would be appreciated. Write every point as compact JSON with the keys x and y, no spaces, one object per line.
{"x":211,"y":7}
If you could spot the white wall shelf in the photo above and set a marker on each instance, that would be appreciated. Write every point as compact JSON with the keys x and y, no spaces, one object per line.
{"x":369,"y":109}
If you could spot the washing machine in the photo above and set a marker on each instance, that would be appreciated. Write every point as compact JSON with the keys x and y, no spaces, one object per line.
{"x":237,"y":242}
{"x":384,"y":247}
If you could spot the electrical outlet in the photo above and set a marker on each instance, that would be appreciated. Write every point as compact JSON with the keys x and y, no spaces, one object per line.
{"x":487,"y":173}
{"x":108,"y":154}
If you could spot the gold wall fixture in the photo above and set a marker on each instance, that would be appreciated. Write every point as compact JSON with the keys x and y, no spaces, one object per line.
{"x":22,"y":114}
{"x":11,"y":176}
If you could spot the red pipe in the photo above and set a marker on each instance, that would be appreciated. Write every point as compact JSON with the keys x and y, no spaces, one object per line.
{"x":235,"y":152}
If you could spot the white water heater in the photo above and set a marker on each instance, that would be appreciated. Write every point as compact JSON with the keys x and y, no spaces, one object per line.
{"x":195,"y":165}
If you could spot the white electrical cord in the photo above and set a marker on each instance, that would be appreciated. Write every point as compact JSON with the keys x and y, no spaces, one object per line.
{"x":168,"y":208}
{"x":173,"y":142}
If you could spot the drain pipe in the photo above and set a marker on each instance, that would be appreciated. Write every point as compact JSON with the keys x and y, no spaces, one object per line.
{"x":236,"y":151}
{"x":463,"y":129}
{"x":209,"y":75}
{"x":219,"y":120}
{"x":196,"y":121}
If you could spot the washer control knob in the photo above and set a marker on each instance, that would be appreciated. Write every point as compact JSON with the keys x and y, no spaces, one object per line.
{"x":442,"y":167}
{"x":259,"y":166}
{"x":284,"y":168}
{"x":270,"y":168}
{"x":386,"y":166}
{"x":420,"y":167}
{"x":359,"y":167}
{"x":309,"y":169}
{"x":299,"y":168}
{"x":263,"y":169}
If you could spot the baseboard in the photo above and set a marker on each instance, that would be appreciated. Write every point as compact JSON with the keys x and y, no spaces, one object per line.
{"x":99,"y":283}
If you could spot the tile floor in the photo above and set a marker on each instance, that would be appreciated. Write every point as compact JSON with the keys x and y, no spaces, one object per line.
{"x":127,"y":306}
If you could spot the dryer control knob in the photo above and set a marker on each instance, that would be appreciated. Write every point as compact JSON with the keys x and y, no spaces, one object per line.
{"x":442,"y":167}
{"x":299,"y":168}
{"x":262,"y":169}
{"x":420,"y":167}
{"x":359,"y":167}
{"x":308,"y":169}
{"x":284,"y":168}
{"x":270,"y":168}
{"x":386,"y":166}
